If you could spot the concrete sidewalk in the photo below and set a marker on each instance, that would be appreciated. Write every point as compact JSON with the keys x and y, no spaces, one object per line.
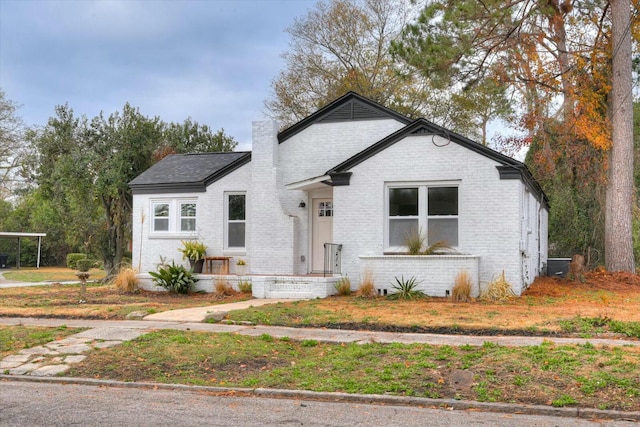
{"x":322,"y":335}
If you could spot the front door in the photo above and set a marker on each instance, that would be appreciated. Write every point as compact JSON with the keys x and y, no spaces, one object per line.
{"x":322,"y":231}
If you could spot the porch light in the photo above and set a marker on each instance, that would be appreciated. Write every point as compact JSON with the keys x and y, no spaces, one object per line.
{"x":302,"y":204}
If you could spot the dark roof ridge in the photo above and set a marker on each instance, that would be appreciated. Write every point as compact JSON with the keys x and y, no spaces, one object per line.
{"x":337,"y":103}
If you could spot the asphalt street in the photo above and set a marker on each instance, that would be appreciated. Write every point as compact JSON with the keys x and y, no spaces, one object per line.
{"x":38,"y":404}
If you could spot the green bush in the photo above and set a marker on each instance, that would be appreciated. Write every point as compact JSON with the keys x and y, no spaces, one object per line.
{"x":174,"y":278}
{"x":73,"y":258}
{"x":84,"y":264}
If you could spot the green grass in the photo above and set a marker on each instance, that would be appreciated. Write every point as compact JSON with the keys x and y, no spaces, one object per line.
{"x":49,"y":275}
{"x":590,"y":326}
{"x":16,"y":338}
{"x":546,"y":374}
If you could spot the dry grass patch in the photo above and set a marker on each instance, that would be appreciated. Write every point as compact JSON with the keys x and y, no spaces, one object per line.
{"x":541,"y":309}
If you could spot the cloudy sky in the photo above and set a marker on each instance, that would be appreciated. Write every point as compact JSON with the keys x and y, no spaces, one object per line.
{"x":212,"y":60}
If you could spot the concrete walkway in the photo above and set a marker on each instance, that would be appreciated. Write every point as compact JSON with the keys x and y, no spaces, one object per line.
{"x":200,"y":314}
{"x":5,"y":283}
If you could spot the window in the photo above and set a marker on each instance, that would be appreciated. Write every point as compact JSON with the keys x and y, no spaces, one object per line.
{"x":325,"y":209}
{"x":173,"y":216}
{"x":188,"y":216}
{"x":236,"y":220}
{"x":161,"y":217}
{"x":432,"y":210}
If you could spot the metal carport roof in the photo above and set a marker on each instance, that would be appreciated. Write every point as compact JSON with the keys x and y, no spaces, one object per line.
{"x":12,"y":235}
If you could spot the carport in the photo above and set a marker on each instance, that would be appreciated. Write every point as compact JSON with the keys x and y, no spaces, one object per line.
{"x":10,"y":235}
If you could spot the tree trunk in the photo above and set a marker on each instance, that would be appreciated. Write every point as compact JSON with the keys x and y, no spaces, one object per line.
{"x":619,"y":195}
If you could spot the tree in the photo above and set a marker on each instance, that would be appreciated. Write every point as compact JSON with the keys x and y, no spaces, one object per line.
{"x":11,"y":128}
{"x":553,"y":55}
{"x":82,"y":170}
{"x":618,"y":218}
{"x":191,"y":137}
{"x":343,"y":45}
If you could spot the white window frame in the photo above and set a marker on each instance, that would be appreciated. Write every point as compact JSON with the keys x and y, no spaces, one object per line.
{"x":235,"y":249}
{"x":181,"y":217}
{"x":174,"y":219}
{"x":153,"y":216}
{"x":423,"y":217}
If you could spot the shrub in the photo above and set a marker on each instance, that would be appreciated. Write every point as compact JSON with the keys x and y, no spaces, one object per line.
{"x":174,"y":278}
{"x":367,"y":287}
{"x":223,"y":288}
{"x":84,"y":264}
{"x":343,"y":286}
{"x":126,"y":281}
{"x":462,"y":287}
{"x":72,"y":258}
{"x":193,"y":250}
{"x":406,"y":289}
{"x":245,"y":287}
{"x":498,"y":290}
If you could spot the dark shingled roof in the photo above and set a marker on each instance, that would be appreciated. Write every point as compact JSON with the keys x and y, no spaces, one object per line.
{"x":180,"y":173}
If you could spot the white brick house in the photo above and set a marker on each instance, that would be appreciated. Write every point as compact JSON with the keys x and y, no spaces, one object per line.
{"x":354,"y":174}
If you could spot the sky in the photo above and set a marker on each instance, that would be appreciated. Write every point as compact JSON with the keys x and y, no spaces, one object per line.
{"x":211,"y":60}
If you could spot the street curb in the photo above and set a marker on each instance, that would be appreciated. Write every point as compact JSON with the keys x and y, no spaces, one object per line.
{"x":375,"y":399}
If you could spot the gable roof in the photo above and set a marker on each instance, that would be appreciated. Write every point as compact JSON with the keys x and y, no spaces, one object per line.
{"x":349,"y":107}
{"x":181,"y":173}
{"x":509,"y":168}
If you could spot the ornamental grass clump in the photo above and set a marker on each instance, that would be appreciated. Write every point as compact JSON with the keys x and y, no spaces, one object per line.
{"x":461,"y":291}
{"x":406,"y":289}
{"x":223,"y":288}
{"x":126,"y":281}
{"x":498,"y":290}
{"x":343,"y":286}
{"x":367,"y":288}
{"x":245,"y":286}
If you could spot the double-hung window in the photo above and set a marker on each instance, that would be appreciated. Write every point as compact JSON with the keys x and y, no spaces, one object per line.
{"x":160,"y":216}
{"x":173,"y":216}
{"x":236,"y":221}
{"x":421,"y":208}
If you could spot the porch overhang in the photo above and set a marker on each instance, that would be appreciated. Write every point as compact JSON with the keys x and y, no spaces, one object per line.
{"x":332,"y":179}
{"x":310,"y":184}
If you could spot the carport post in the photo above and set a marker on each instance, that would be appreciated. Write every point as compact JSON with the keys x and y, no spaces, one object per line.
{"x":18,"y":257}
{"x":39,"y":243}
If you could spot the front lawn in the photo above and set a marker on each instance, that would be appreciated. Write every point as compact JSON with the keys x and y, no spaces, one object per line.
{"x":48,"y":274}
{"x":547,"y":374}
{"x":103,"y":301}
{"x":603,"y":303}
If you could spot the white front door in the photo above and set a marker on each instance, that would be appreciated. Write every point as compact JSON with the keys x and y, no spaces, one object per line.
{"x":322,"y":231}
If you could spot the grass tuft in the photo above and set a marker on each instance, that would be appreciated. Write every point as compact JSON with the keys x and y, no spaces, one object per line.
{"x":126,"y":281}
{"x":367,"y":287}
{"x":461,"y":291}
{"x":343,"y":286}
{"x":498,"y":290}
{"x":245,"y":286}
{"x":223,"y":288}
